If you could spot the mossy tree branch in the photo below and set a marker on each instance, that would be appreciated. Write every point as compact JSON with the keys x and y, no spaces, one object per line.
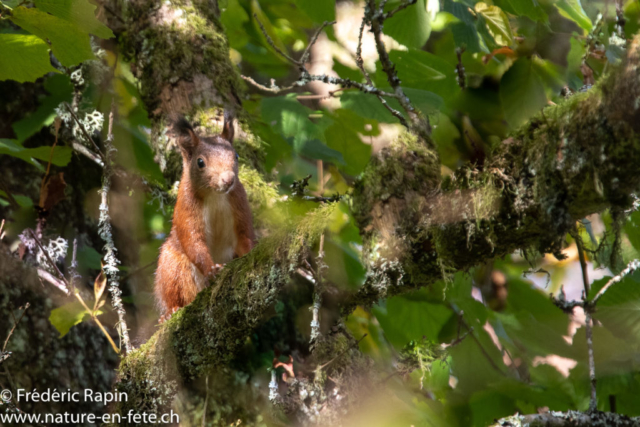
{"x":571,"y":160}
{"x":574,"y":159}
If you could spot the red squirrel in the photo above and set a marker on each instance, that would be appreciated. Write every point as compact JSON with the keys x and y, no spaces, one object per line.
{"x":212,"y":221}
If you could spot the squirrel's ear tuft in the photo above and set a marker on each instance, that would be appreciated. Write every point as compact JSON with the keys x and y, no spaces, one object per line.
{"x":187,"y":137}
{"x":227,"y":127}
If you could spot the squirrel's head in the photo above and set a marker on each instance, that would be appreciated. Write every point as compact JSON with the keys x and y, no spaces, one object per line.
{"x":211,"y":161}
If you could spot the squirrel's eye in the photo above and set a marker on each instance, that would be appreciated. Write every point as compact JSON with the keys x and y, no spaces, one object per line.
{"x":237,"y":157}
{"x":200,"y":163}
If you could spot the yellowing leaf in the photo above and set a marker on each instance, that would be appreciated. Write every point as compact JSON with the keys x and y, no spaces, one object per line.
{"x":497,"y":23}
{"x":99,"y":285}
{"x":63,"y":318}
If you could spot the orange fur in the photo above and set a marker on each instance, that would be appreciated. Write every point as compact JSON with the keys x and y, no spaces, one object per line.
{"x":186,"y":264}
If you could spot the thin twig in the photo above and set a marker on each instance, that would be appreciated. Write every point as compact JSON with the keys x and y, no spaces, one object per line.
{"x":341,"y":353}
{"x":360,"y":64}
{"x":45,"y":275}
{"x":53,"y":147}
{"x":482,"y":349}
{"x":82,"y":128}
{"x":460,"y":71}
{"x":305,"y":55}
{"x":593,"y":402}
{"x":273,"y":45}
{"x":76,"y":294}
{"x":53,"y":264}
{"x":317,"y":292}
{"x":397,"y":9}
{"x":87,"y":153}
{"x":104,"y":229}
{"x":273,"y":89}
{"x":73,"y":269}
{"x":631,"y":267}
{"x":305,"y":77}
{"x":376,"y":20}
{"x":15,"y":325}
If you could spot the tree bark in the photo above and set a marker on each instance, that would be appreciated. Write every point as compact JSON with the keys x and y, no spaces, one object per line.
{"x":574,"y":159}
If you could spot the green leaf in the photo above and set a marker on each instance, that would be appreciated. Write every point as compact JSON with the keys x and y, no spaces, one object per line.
{"x":367,"y":106}
{"x":69,"y":44}
{"x":521,"y":92}
{"x":80,"y":13}
{"x":424,"y":100}
{"x":619,"y":309}
{"x":89,"y":258}
{"x":422,"y":70}
{"x":572,"y":9}
{"x":61,"y":90}
{"x":342,"y":136}
{"x":460,"y":11}
{"x":408,"y":317}
{"x":24,"y":58}
{"x":61,"y":155}
{"x":23,"y":201}
{"x":233,"y":17}
{"x":411,"y":26}
{"x":67,"y":316}
{"x":467,"y":36}
{"x":632,"y":229}
{"x":316,"y":149}
{"x":527,"y":8}
{"x":144,"y":156}
{"x":616,"y":49}
{"x":264,"y":20}
{"x":291,"y":119}
{"x":497,"y":23}
{"x":318,"y":10}
{"x":11,"y":3}
{"x":346,"y":72}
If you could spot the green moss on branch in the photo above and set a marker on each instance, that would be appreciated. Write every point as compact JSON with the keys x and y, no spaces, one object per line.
{"x":573,"y":159}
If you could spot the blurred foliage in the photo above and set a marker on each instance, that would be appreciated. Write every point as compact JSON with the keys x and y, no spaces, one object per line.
{"x":508,"y":347}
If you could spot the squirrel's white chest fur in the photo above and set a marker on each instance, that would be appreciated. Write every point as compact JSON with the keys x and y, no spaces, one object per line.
{"x":219,"y":228}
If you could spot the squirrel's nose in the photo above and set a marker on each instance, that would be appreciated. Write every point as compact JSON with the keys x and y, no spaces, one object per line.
{"x":226,"y":180}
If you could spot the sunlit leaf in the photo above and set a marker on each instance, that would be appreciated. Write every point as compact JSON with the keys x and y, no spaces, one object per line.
{"x":24,"y":57}
{"x":65,"y":317}
{"x":80,"y":13}
{"x":497,"y":23}
{"x":233,"y":17}
{"x":69,"y":44}
{"x":572,"y":9}
{"x":61,"y":155}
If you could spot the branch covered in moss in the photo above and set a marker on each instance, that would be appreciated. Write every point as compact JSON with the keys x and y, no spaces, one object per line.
{"x":569,"y":419}
{"x":208,"y":332}
{"x":572,"y":160}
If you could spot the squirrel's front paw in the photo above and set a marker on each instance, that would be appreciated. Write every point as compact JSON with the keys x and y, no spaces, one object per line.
{"x":215,"y":270}
{"x":167,"y":315}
